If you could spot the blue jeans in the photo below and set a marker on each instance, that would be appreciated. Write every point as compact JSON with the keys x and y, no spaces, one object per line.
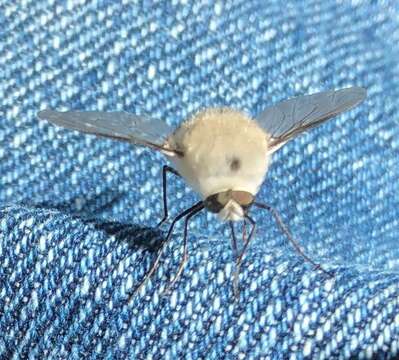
{"x":77,"y":213}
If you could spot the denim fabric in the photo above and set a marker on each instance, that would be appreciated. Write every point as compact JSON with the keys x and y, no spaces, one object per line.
{"x":77,"y":213}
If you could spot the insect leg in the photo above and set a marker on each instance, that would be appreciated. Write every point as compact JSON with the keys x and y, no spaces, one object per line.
{"x":235,"y":253}
{"x":162,"y":249}
{"x":244,"y":231}
{"x":233,"y":240}
{"x":200,"y":206}
{"x":289,"y":236}
{"x":240,"y":257}
{"x":165,"y":170}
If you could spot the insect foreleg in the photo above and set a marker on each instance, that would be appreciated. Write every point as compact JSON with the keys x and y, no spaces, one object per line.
{"x":165,"y":170}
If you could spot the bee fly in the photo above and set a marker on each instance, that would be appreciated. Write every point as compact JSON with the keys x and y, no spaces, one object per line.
{"x":222,"y":153}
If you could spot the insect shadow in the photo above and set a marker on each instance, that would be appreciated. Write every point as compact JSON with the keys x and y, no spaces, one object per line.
{"x":149,"y":238}
{"x":135,"y":235}
{"x":83,"y":206}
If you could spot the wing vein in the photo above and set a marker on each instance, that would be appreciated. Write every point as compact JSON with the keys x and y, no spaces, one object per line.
{"x":283,"y":121}
{"x":139,"y":130}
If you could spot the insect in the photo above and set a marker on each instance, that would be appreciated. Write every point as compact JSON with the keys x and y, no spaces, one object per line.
{"x":222,"y":153}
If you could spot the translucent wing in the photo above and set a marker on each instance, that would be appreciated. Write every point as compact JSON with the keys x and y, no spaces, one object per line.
{"x":294,"y":116}
{"x":116,"y":125}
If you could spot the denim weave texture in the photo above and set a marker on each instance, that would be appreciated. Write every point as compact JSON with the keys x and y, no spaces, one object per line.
{"x":78,"y":213}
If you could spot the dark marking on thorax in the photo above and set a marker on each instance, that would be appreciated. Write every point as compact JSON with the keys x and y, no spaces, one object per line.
{"x":234,"y":163}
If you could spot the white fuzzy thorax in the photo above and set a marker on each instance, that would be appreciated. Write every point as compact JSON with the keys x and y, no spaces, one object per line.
{"x":223,"y":149}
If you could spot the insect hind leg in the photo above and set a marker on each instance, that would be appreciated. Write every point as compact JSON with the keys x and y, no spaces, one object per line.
{"x":289,"y":236}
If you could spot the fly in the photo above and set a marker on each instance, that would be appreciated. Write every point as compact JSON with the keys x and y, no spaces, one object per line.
{"x":222,"y":153}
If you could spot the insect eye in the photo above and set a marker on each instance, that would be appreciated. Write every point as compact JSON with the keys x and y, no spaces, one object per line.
{"x":215,"y":203}
{"x":244,"y":198}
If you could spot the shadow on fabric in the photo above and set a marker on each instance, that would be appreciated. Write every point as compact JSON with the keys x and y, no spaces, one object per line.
{"x":135,"y":235}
